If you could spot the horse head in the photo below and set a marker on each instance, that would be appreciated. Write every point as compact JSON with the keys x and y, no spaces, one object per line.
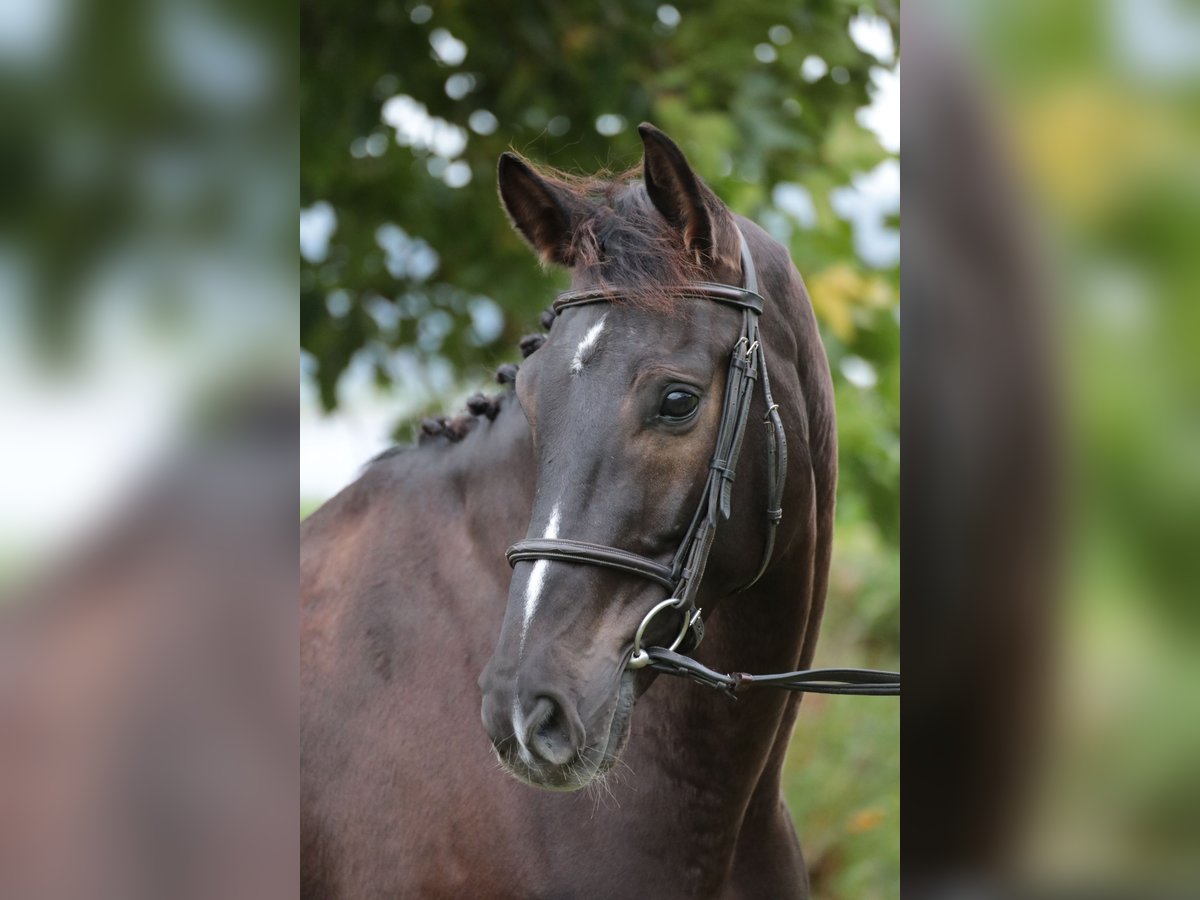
{"x":625,"y":401}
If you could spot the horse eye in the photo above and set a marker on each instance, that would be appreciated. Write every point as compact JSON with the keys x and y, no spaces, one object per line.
{"x":678,"y":405}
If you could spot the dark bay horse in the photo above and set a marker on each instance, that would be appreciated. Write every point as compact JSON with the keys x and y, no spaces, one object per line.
{"x":604,"y":435}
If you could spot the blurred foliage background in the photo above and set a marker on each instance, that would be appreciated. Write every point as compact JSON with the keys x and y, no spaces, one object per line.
{"x":412,"y":280}
{"x":147,"y":264}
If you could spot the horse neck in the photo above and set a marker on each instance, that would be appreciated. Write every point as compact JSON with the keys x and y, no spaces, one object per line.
{"x":717,"y":764}
{"x":492,"y":470}
{"x":771,"y":628}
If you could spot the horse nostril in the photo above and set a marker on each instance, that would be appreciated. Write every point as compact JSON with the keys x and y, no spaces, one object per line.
{"x":548,"y":732}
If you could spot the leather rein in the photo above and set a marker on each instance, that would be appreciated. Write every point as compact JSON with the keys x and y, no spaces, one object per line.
{"x":747,"y":366}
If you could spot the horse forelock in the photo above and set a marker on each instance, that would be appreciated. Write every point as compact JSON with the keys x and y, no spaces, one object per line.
{"x":621,"y":243}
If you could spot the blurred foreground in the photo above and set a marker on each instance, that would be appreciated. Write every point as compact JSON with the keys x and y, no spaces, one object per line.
{"x":148,"y":356}
{"x":1052,"y":434}
{"x":148,"y":687}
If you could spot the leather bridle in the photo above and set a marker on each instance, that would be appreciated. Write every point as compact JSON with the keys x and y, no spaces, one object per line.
{"x":747,"y":367}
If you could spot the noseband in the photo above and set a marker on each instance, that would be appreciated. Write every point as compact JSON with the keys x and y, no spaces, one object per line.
{"x":747,"y":366}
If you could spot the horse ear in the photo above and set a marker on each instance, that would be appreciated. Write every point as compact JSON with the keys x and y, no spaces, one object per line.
{"x":685,"y":201}
{"x":543,"y":213}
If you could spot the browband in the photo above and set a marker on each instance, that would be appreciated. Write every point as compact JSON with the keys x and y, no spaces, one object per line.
{"x":743,"y":298}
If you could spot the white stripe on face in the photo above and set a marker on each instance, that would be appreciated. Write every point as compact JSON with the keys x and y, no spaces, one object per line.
{"x":584,"y":351}
{"x":537,"y":577}
{"x":533,"y":593}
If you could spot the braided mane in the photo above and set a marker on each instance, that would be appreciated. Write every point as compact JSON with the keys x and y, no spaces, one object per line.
{"x":452,"y":429}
